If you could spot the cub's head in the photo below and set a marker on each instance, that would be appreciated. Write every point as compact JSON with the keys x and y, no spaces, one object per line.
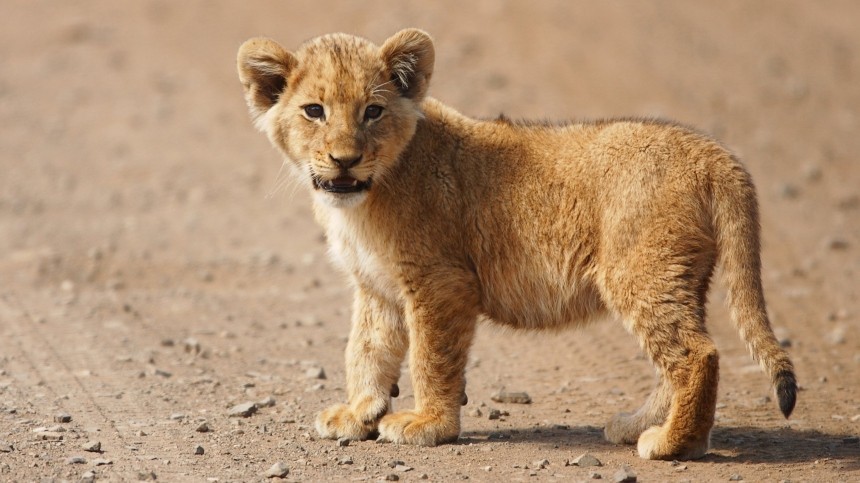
{"x":340,"y":108}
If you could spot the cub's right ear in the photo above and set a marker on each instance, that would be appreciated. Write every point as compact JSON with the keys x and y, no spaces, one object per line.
{"x":263,"y":69}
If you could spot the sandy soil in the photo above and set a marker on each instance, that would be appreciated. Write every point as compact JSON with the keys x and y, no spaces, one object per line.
{"x":154,"y":273}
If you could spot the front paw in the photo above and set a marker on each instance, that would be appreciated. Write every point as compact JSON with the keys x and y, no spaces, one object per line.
{"x":342,"y":421}
{"x":409,"y":427}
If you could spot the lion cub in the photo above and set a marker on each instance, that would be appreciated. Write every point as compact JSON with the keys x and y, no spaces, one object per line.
{"x":440,"y":220}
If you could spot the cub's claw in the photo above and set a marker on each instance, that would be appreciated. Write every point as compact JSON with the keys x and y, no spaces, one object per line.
{"x":342,"y":421}
{"x":409,"y":427}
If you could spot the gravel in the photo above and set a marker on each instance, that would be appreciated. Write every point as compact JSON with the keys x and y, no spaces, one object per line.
{"x":277,"y":470}
{"x":243,"y":410}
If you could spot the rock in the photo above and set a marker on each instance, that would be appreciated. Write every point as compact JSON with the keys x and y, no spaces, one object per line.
{"x":191,"y":346}
{"x":736,"y":477}
{"x":475,"y":413}
{"x":76,"y":460}
{"x":423,"y":476}
{"x":203,"y":427}
{"x":511,"y":397}
{"x":403,"y":468}
{"x":243,"y":410}
{"x":315,"y":373}
{"x":392,"y":477}
{"x":585,"y":460}
{"x":198,"y":450}
{"x":624,"y":475}
{"x":49,"y":436}
{"x":346,"y":460}
{"x":5,"y":447}
{"x":92,"y":446}
{"x":343,"y":442}
{"x":88,"y":477}
{"x":62,"y":418}
{"x":267,"y":402}
{"x":494,"y":414}
{"x":177,"y":416}
{"x":394,"y":463}
{"x":595,"y":475}
{"x":102,"y":462}
{"x":277,"y":470}
{"x":540,"y":464}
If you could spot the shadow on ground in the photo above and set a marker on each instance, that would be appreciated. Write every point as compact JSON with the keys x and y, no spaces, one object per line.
{"x":728,"y":444}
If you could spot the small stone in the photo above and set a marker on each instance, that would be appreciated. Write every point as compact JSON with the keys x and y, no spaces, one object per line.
{"x":394,"y":463}
{"x":403,"y":468}
{"x":6,"y":447}
{"x":315,"y":373}
{"x":102,"y":462}
{"x":540,"y":464}
{"x":278,"y":470}
{"x":267,"y":402}
{"x":392,"y":477}
{"x":343,"y":442}
{"x":62,"y":418}
{"x":49,"y":436}
{"x":192,"y":346}
{"x":203,"y":427}
{"x":494,"y":414}
{"x":736,"y":477}
{"x":345,"y":460}
{"x":243,"y":410}
{"x":177,"y":416}
{"x":624,"y":475}
{"x":585,"y":460}
{"x":487,"y":468}
{"x":423,"y":476}
{"x":92,"y":446}
{"x":595,"y":475}
{"x":511,"y":397}
{"x":76,"y":460}
{"x":88,"y":477}
{"x":475,"y":413}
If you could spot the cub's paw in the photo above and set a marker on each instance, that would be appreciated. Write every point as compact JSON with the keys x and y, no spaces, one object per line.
{"x":656,"y":444}
{"x":623,"y":428}
{"x":342,"y":421}
{"x":409,"y":427}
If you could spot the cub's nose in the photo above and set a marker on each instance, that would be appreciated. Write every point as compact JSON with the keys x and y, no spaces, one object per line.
{"x":345,"y":161}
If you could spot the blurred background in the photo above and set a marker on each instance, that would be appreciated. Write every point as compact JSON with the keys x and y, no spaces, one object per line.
{"x":144,"y":229}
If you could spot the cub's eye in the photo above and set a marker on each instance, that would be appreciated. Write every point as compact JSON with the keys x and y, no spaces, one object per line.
{"x":372,"y":112}
{"x":314,"y":111}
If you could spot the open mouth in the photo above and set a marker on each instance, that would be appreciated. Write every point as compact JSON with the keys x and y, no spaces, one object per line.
{"x":341,"y":184}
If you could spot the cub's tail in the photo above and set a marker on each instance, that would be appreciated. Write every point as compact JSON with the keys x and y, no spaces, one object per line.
{"x":736,"y":223}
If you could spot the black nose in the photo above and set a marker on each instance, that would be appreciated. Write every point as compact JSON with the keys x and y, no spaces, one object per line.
{"x":346,"y":162}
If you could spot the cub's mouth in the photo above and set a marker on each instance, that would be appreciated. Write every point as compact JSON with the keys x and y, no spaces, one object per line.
{"x":341,"y":184}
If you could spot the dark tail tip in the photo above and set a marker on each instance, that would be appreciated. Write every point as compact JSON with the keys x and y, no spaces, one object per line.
{"x":786,"y":391}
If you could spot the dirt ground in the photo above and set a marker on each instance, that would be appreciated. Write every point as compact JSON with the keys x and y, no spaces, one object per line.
{"x":154,"y":272}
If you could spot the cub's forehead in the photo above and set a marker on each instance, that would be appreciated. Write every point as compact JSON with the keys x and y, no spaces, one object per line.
{"x":340,"y":67}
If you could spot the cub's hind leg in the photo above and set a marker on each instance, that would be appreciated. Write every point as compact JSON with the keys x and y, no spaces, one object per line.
{"x":626,"y":427}
{"x":376,"y":348}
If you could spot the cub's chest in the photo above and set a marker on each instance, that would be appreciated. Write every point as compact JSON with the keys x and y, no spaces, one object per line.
{"x":356,"y":252}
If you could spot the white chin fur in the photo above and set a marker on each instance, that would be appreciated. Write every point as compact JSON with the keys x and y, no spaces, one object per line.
{"x":339,"y":200}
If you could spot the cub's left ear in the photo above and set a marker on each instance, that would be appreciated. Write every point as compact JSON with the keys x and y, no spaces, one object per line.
{"x":263,"y":69}
{"x":409,"y":55}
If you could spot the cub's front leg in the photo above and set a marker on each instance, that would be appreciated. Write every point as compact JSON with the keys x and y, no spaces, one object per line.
{"x":376,"y":348}
{"x":440,"y":335}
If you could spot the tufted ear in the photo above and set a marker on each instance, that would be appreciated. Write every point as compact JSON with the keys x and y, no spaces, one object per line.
{"x":263,"y":69}
{"x":409,"y":55}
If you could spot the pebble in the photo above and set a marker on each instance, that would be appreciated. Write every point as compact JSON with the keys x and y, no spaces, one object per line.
{"x":624,"y":475}
{"x":345,"y":460}
{"x":475,"y":413}
{"x":243,"y":410}
{"x":49,"y":436}
{"x":343,"y":442}
{"x":102,"y":462}
{"x":62,"y":418}
{"x":88,"y":477}
{"x":403,"y":468}
{"x":584,"y":460}
{"x":392,"y":477}
{"x":5,"y":447}
{"x":395,"y":463}
{"x":203,"y":427}
{"x":92,"y":446}
{"x":595,"y":475}
{"x":423,"y":476}
{"x":199,"y":450}
{"x":278,"y":470}
{"x":540,"y":464}
{"x":315,"y":373}
{"x":511,"y":397}
{"x":177,"y":416}
{"x":736,"y":477}
{"x":267,"y":402}
{"x":76,"y":460}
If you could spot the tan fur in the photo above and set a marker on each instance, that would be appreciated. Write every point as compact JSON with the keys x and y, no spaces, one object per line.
{"x":530,"y":226}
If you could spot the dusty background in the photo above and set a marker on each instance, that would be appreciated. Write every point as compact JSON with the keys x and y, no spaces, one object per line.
{"x":153,"y":272}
